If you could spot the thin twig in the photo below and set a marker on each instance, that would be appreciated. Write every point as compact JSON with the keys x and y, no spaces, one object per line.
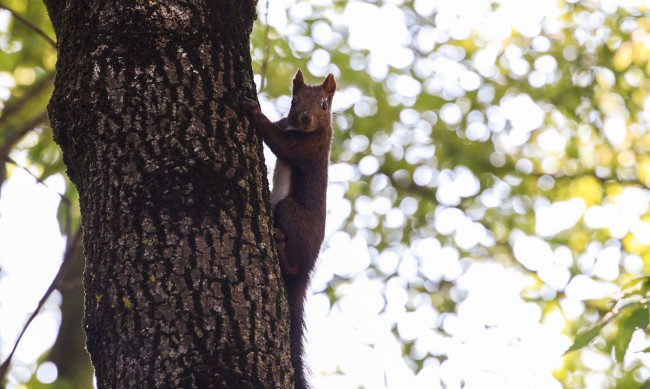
{"x":11,"y":138}
{"x":38,"y":180}
{"x":30,"y":25}
{"x":65,"y":265}
{"x":16,"y":103}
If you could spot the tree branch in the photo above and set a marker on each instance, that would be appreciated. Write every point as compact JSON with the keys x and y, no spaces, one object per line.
{"x":30,"y":25}
{"x":40,"y":181}
{"x":60,"y":275}
{"x":15,"y":104}
{"x":17,"y":135}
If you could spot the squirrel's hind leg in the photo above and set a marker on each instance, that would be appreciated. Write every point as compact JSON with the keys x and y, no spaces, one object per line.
{"x":288,"y":268}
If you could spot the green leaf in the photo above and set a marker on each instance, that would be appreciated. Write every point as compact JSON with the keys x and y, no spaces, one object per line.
{"x":632,"y":283}
{"x":627,"y":324}
{"x":638,"y":286}
{"x":583,"y":338}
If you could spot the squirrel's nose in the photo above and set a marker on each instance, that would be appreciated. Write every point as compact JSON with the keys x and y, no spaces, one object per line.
{"x":305,"y":119}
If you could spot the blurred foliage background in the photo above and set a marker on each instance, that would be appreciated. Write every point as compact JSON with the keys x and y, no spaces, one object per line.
{"x":488,"y":205}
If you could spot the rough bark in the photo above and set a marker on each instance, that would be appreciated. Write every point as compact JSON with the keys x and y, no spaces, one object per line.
{"x":182,"y":287}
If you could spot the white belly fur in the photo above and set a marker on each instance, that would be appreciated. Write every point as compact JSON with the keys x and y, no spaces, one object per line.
{"x":281,"y":182}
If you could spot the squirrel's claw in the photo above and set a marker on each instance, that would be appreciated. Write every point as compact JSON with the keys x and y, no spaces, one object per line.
{"x":250,"y":105}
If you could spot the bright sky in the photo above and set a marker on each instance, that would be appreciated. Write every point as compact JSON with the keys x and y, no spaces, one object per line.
{"x":31,"y":249}
{"x":497,"y":339}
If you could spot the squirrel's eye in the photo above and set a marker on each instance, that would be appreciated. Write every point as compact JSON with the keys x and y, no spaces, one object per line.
{"x":324,"y":106}
{"x":293,"y":101}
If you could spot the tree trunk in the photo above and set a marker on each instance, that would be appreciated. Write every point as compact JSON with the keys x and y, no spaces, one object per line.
{"x":182,"y":286}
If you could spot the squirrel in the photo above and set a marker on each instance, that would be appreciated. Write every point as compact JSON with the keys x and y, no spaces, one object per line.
{"x":301,"y":142}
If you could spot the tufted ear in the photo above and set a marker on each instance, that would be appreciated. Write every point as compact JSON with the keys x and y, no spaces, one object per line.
{"x":298,"y":81}
{"x":329,"y":85}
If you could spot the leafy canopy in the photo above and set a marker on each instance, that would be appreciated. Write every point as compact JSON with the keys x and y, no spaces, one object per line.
{"x":489,"y":182}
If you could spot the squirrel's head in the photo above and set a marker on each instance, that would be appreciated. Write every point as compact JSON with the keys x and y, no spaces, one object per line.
{"x":311,"y":106}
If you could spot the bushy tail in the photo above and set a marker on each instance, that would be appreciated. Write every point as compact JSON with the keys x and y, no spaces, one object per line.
{"x":296,"y":291}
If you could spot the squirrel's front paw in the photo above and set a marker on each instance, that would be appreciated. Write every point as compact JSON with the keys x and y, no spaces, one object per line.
{"x":250,"y":105}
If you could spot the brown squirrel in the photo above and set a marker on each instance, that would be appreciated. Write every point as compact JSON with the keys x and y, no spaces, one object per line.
{"x":301,"y":143}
